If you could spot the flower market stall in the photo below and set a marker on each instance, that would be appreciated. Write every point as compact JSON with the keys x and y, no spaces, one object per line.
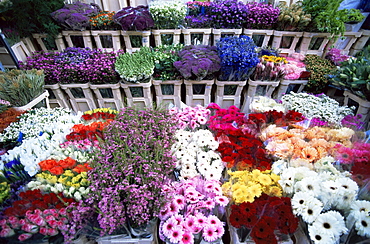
{"x":178,"y":122}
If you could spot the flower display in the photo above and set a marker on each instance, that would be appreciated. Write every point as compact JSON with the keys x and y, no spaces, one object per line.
{"x":198,"y":62}
{"x":191,"y":117}
{"x":191,"y":211}
{"x":261,"y":16}
{"x":134,"y":18}
{"x":294,"y":67}
{"x":261,"y":104}
{"x":238,"y":57}
{"x":75,"y":16}
{"x":168,"y":14}
{"x":269,"y":68}
{"x":103,"y":21}
{"x":228,"y":14}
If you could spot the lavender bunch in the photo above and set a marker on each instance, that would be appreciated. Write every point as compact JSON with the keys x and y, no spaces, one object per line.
{"x":261,"y":16}
{"x":198,"y":62}
{"x":132,"y":167}
{"x":229,"y":14}
{"x":75,"y":16}
{"x":238,"y":57}
{"x":134,"y":18}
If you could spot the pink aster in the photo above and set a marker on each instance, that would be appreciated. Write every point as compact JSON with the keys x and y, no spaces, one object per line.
{"x":201,"y":120}
{"x":344,"y":155}
{"x":176,"y":235}
{"x":164,"y":213}
{"x":209,"y":186}
{"x":189,"y":223}
{"x":173,"y":208}
{"x":213,"y":220}
{"x":180,"y":201}
{"x":222,"y":200}
{"x":209,"y":233}
{"x":187,"y":238}
{"x":209,"y":204}
{"x":200,"y":220}
{"x":168,"y":226}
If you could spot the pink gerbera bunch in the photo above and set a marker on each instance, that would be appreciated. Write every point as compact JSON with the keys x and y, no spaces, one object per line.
{"x":191,"y":117}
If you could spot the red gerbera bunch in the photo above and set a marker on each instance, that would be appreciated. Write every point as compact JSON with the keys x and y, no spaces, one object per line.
{"x":91,"y":131}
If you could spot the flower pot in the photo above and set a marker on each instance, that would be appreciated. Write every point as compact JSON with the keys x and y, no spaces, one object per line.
{"x":363,"y":107}
{"x":314,"y":43}
{"x":78,"y":38}
{"x":172,"y":34}
{"x":129,"y":36}
{"x":286,"y":41}
{"x":138,"y":94}
{"x":228,"y":93}
{"x":258,"y":88}
{"x":107,"y":40}
{"x":34,"y":102}
{"x":284,"y":86}
{"x":219,"y":33}
{"x":108,"y":95}
{"x":168,"y":92}
{"x":360,"y":42}
{"x":80,"y":96}
{"x":197,"y":36}
{"x":57,"y":98}
{"x":198,"y":92}
{"x":260,"y":37}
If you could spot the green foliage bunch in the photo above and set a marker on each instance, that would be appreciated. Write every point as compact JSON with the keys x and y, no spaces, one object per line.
{"x":164,"y":56}
{"x":20,"y":87}
{"x":320,"y":68}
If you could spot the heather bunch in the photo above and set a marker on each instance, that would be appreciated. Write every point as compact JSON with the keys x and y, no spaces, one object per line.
{"x":238,"y":57}
{"x":261,"y":16}
{"x":198,"y":62}
{"x":134,"y":164}
{"x":75,"y":16}
{"x":134,"y":18}
{"x":230,"y":14}
{"x":168,"y":14}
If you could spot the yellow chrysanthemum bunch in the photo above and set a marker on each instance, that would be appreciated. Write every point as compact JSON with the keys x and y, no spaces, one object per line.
{"x":102,"y":110}
{"x":68,"y":179}
{"x":245,"y":186}
{"x":274,"y":59}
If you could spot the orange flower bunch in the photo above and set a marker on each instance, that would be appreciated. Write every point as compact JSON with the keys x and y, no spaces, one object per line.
{"x":304,"y":146}
{"x":102,"y":19}
{"x":58,"y":167}
{"x":91,"y":131}
{"x":8,"y":116}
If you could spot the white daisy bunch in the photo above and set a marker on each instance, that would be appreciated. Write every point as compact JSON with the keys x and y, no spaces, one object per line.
{"x":359,"y":218}
{"x":168,"y":14}
{"x":319,"y":106}
{"x":261,"y":104}
{"x":36,"y":149}
{"x":196,"y":156}
{"x":79,"y":155}
{"x":38,"y":121}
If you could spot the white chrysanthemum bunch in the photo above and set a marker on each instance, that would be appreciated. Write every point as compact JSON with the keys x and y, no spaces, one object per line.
{"x":319,"y":106}
{"x":196,"y":156}
{"x":261,"y":104}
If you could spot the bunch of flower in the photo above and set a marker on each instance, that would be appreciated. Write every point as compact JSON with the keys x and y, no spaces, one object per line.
{"x":9,"y":116}
{"x":289,"y":118}
{"x":71,"y":184}
{"x":197,"y":15}
{"x":261,"y":16}
{"x":247,"y":186}
{"x":99,"y":114}
{"x":238,"y":57}
{"x":320,"y":69}
{"x":191,"y":117}
{"x":305,"y":146}
{"x":294,"y":68}
{"x":292,"y":18}
{"x":323,"y":199}
{"x":225,"y":119}
{"x":135,"y":67}
{"x":228,"y":14}
{"x":58,"y":167}
{"x":196,"y":156}
{"x":316,"y":106}
{"x":263,"y":218}
{"x":134,"y":18}
{"x":4,"y":105}
{"x":91,"y":131}
{"x":103,"y":21}
{"x":261,"y":104}
{"x":130,"y":170}
{"x":334,"y":55}
{"x":168,"y":14}
{"x":164,"y":56}
{"x":75,"y":16}
{"x":198,"y":62}
{"x":34,"y":213}
{"x":191,"y":211}
{"x":353,"y":121}
{"x":269,"y":68}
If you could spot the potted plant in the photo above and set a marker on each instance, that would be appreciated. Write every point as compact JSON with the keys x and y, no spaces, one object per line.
{"x":238,"y":58}
{"x":135,"y":23}
{"x":198,"y":65}
{"x":167,"y":79}
{"x":105,"y":31}
{"x":75,"y":19}
{"x":136,"y":70}
{"x":169,"y":17}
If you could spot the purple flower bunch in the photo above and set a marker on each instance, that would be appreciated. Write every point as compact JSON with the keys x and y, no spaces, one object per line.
{"x":354,"y":122}
{"x":334,"y":55}
{"x":261,"y":16}
{"x":75,"y":16}
{"x":132,"y":168}
{"x":75,"y":65}
{"x":200,"y":21}
{"x":198,"y":62}
{"x":134,"y":18}
{"x":238,"y":57}
{"x":228,"y":14}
